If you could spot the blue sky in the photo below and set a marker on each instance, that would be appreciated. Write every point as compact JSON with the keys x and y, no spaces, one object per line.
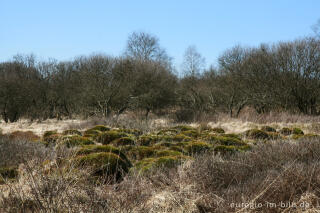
{"x":63,"y":29}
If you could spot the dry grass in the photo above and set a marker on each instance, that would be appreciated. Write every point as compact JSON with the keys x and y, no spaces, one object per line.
{"x":271,"y":177}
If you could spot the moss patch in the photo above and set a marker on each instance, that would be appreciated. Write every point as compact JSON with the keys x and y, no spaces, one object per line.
{"x":297,"y":131}
{"x":91,"y":133}
{"x":141,"y":152}
{"x":218,"y":130}
{"x":147,"y":140}
{"x":227,"y":141}
{"x":183,"y":128}
{"x":75,"y":140}
{"x":286,"y":131}
{"x":191,"y":133}
{"x":109,"y":136}
{"x":268,"y":129}
{"x":274,"y":135}
{"x":49,"y":133}
{"x":52,"y":139}
{"x":163,"y":153}
{"x":100,"y":128}
{"x":168,"y":132}
{"x":104,"y":164}
{"x":197,"y":147}
{"x":256,"y":134}
{"x":71,"y":132}
{"x":123,"y":141}
{"x":89,"y":149}
{"x":148,"y":164}
{"x":134,"y":132}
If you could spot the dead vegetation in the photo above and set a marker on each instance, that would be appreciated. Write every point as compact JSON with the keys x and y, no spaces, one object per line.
{"x":177,"y":169}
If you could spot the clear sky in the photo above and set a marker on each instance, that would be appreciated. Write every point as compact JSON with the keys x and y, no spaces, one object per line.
{"x":63,"y":29}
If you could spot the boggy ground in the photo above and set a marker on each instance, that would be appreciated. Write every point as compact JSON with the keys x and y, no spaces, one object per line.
{"x":178,"y":168}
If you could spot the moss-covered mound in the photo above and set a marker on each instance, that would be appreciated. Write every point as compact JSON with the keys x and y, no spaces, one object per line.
{"x":231,"y":135}
{"x":92,"y":133}
{"x":196,"y":147}
{"x":123,"y":141}
{"x":256,"y":134}
{"x":170,"y":132}
{"x":104,"y":164}
{"x":286,"y":131}
{"x":49,"y":133}
{"x":71,"y":132}
{"x":141,"y":152}
{"x":52,"y":138}
{"x":108,"y":136}
{"x":100,"y":128}
{"x":217,"y":130}
{"x":227,"y":141}
{"x":147,"y":140}
{"x":297,"y":131}
{"x":134,"y":132}
{"x":89,"y":149}
{"x":268,"y":129}
{"x":274,"y":135}
{"x":75,"y":140}
{"x":183,"y":128}
{"x":182,"y":137}
{"x":148,"y":164}
{"x":191,"y":133}
{"x":167,"y":152}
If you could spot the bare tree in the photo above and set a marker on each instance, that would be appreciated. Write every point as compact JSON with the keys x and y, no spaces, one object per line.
{"x":145,"y":47}
{"x":193,"y":63}
{"x":316,"y":28}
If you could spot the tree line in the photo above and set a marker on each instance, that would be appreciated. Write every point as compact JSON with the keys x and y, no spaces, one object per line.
{"x":284,"y":76}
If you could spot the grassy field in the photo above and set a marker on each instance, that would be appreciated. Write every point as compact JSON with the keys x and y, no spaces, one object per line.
{"x":229,"y":165}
